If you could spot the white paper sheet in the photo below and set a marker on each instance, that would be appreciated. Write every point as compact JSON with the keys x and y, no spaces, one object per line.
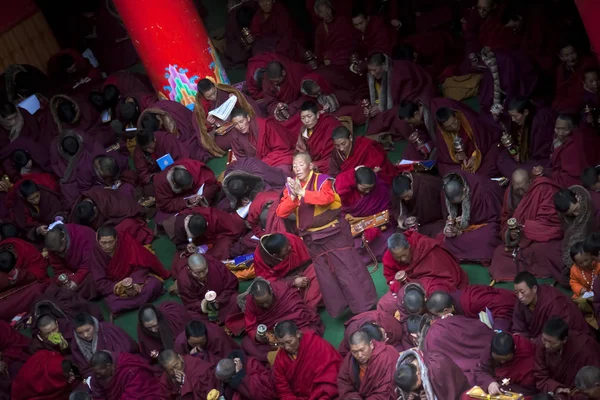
{"x":199,"y":193}
{"x":243,"y":211}
{"x":224,"y":110}
{"x":31,"y":104}
{"x":406,"y":162}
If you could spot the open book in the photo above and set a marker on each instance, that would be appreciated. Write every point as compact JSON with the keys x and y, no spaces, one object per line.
{"x":224,"y":110}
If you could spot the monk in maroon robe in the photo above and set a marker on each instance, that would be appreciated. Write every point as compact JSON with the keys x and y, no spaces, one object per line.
{"x":538,"y":303}
{"x":252,"y":381}
{"x":473,"y":206}
{"x":119,"y":375}
{"x":23,"y":277}
{"x":513,"y":358}
{"x":256,"y":67}
{"x":185,"y":376}
{"x":437,"y":51}
{"x":91,"y":336}
{"x":262,"y":215}
{"x":335,"y":38}
{"x":281,"y":84}
{"x":171,"y":197}
{"x":158,"y":326}
{"x":118,"y":257}
{"x":562,"y":354}
{"x":208,"y":226}
{"x":377,"y":36}
{"x":150,"y":146}
{"x":25,"y":157}
{"x":483,"y":27}
{"x":296,"y":373}
{"x":205,"y":340}
{"x":569,"y":75}
{"x":204,"y":274}
{"x":387,"y":323}
{"x":70,"y":252}
{"x":13,"y":346}
{"x":315,"y":138}
{"x":269,"y":304}
{"x":370,"y":372}
{"x":568,"y":152}
{"x":16,"y":123}
{"x":535,"y":246}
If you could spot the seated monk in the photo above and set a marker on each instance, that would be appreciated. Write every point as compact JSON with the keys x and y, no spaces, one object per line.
{"x":587,"y":381}
{"x":315,"y":136}
{"x":23,"y":277}
{"x":158,"y":326}
{"x":25,"y":158}
{"x":535,"y":244}
{"x":284,"y":257}
{"x":377,"y":36}
{"x":350,"y":152}
{"x":417,"y":195}
{"x":407,"y":306}
{"x":263,"y":139}
{"x":255,"y":73}
{"x":568,"y":152}
{"x":389,"y":329}
{"x":473,"y":208}
{"x":530,"y":131}
{"x":45,"y":375}
{"x":110,"y":176}
{"x":70,"y":254}
{"x":268,"y":304}
{"x":562,"y":354}
{"x":246,"y":377}
{"x":569,"y":75}
{"x":513,"y":359}
{"x":473,"y":300}
{"x":590,"y":101}
{"x":13,"y":346}
{"x":209,"y":97}
{"x":335,"y":38}
{"x":281,"y":87}
{"x":17,"y":122}
{"x":429,"y":375}
{"x":119,"y":375}
{"x":205,"y":230}
{"x":177,"y":186}
{"x":434,"y":50}
{"x":262,"y":215}
{"x":185,"y":376}
{"x":150,"y":146}
{"x":295,"y":372}
{"x":205,"y":274}
{"x":126,"y":273}
{"x":91,"y":336}
{"x":368,"y":370}
{"x":390,"y":83}
{"x":327,"y":236}
{"x":538,"y":303}
{"x":207,"y":341}
{"x":98,"y":206}
{"x":51,"y":333}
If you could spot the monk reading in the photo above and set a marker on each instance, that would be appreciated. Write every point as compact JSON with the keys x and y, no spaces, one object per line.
{"x":328,"y":238}
{"x":296,"y":374}
{"x":205,"y":340}
{"x":315,"y":136}
{"x":587,"y":381}
{"x":538,"y":303}
{"x":246,"y":377}
{"x":185,"y":376}
{"x":126,"y":273}
{"x":513,"y":359}
{"x":205,"y":274}
{"x":91,"y":336}
{"x":268,"y":304}
{"x":119,"y":375}
{"x":159,"y":326}
{"x":284,"y":257}
{"x":388,"y":327}
{"x":533,"y":241}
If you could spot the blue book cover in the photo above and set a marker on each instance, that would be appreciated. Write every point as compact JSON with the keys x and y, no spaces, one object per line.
{"x":164,"y":161}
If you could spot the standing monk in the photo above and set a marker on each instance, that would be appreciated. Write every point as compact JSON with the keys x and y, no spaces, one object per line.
{"x":317,"y":208}
{"x":315,"y":136}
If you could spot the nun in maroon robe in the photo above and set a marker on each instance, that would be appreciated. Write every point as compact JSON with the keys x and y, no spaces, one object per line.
{"x":262,"y":215}
{"x":20,"y":286}
{"x":539,"y":249}
{"x":288,"y":91}
{"x":13,"y":346}
{"x":107,"y":337}
{"x":568,"y":159}
{"x":172,"y":318}
{"x":218,"y":344}
{"x":287,"y":305}
{"x":365,"y":152}
{"x":77,"y":260}
{"x":166,"y":143}
{"x":130,"y":260}
{"x":391,"y":326}
{"x":480,"y":220}
{"x":218,"y":279}
{"x":474,"y":299}
{"x":318,"y":142}
{"x":335,"y":41}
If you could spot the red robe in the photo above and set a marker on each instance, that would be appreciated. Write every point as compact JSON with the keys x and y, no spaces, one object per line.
{"x":42,"y":378}
{"x":277,"y":26}
{"x":289,"y":90}
{"x":199,"y":380}
{"x":13,"y":346}
{"x":169,"y":202}
{"x":568,"y":160}
{"x":274,"y":224}
{"x":166,"y":143}
{"x":569,"y":86}
{"x":430,"y":264}
{"x":378,"y":37}
{"x":219,"y":344}
{"x":336,"y":41}
{"x":487,"y":32}
{"x":255,"y":63}
{"x":391,"y":325}
{"x":254,"y":381}
{"x":477,"y":298}
{"x":520,"y":368}
{"x":365,"y":152}
{"x":302,"y":377}
{"x":172,"y":319}
{"x":319,"y":145}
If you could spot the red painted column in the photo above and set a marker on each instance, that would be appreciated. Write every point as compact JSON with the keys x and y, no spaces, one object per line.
{"x":589,"y":11}
{"x":173,"y":45}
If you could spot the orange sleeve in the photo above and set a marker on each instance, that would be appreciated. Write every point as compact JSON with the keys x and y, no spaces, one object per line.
{"x":575,"y":281}
{"x":286,"y":205}
{"x":322,"y":197}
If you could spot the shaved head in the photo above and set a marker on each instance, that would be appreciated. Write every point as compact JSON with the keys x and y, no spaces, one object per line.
{"x":274,"y":70}
{"x":166,"y":356}
{"x":54,"y":240}
{"x":307,"y":158}
{"x":225,"y":369}
{"x":439,"y":301}
{"x":148,"y":315}
{"x":454,"y":188}
{"x":520,"y":175}
{"x":359,"y":337}
{"x":414,"y":301}
{"x":521,"y":180}
{"x":260,"y":288}
{"x":197,"y":262}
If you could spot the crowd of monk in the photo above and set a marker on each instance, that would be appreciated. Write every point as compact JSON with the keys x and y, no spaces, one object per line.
{"x":308,"y":208}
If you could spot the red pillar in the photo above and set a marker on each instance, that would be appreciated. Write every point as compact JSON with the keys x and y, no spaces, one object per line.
{"x":589,"y":11}
{"x":174,"y":47}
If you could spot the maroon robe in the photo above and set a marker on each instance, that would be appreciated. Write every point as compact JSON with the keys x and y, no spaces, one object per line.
{"x":289,"y":90}
{"x":257,"y":62}
{"x":487,"y":32}
{"x":277,"y":28}
{"x":77,"y":260}
{"x":219,"y":279}
{"x":520,"y":368}
{"x":35,"y":149}
{"x":254,"y":381}
{"x":319,"y":144}
{"x":110,"y":338}
{"x":436,"y":50}
{"x":366,"y":152}
{"x":336,"y":41}
{"x":133,"y":378}
{"x":200,"y":379}
{"x":378,"y":37}
{"x":551,"y":302}
{"x":390,"y":325}
{"x":378,"y":380}
{"x":172,"y":318}
{"x":42,"y":378}
{"x":30,"y":130}
{"x":273,"y":223}
{"x":166,"y":143}
{"x":13,"y":346}
{"x":568,"y":160}
{"x":218,"y":344}
{"x":128,"y":82}
{"x":477,"y":298}
{"x":569,"y":87}
{"x":274,"y":178}
{"x":540,"y":247}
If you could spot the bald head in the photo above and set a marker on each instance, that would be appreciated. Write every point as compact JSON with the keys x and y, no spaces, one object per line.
{"x":55,"y":240}
{"x":454,"y":188}
{"x":521,"y":180}
{"x":45,"y":321}
{"x":414,"y":301}
{"x":358,"y":338}
{"x":147,"y":314}
{"x":303,"y":156}
{"x":197,"y":262}
{"x":225,"y":369}
{"x":166,"y":357}
{"x":440,"y":303}
{"x":260,"y":288}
